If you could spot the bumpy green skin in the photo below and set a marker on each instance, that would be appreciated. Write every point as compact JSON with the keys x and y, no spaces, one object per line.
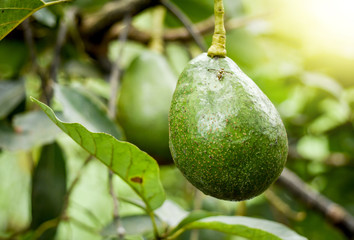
{"x":226,"y":136}
{"x":144,"y":102}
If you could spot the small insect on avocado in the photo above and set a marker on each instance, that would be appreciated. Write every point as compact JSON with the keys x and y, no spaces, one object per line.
{"x":225,"y":135}
{"x":220,"y":73}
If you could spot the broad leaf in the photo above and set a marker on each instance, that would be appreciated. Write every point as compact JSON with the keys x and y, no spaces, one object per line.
{"x":170,"y":213}
{"x":250,"y":228}
{"x":135,"y":167}
{"x":138,"y":224}
{"x":192,"y":217}
{"x":29,"y":130}
{"x":13,"y":12}
{"x":48,"y":188}
{"x":79,"y":107}
{"x":11,"y":94}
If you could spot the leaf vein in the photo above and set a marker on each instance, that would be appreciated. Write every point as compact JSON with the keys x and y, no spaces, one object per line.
{"x":80,"y":137}
{"x":7,"y":23}
{"x":14,"y":8}
{"x":94,"y":144}
{"x":112,"y":154}
{"x":130,"y":163}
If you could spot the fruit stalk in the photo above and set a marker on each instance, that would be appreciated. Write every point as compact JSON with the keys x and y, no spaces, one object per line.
{"x":158,"y":17}
{"x":217,"y":48}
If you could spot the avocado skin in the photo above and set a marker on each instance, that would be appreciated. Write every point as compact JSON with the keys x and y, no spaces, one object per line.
{"x":144,"y":102}
{"x":226,"y":136}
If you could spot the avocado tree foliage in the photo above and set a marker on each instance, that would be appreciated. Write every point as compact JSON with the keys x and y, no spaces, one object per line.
{"x":60,"y":66}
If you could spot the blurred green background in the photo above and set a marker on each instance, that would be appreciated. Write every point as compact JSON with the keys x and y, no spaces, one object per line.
{"x":299,"y":52}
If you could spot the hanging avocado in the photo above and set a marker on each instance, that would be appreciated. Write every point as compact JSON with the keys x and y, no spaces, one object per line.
{"x":144,"y":102}
{"x":226,"y":136}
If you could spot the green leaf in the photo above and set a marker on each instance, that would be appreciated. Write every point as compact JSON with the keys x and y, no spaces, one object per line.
{"x":46,"y":17}
{"x":29,"y":130}
{"x":192,"y":217}
{"x":135,"y":167}
{"x":13,"y":57}
{"x":170,"y":213}
{"x":11,"y":94}
{"x":138,"y":224}
{"x":250,"y":228}
{"x":134,"y":237}
{"x":13,"y":12}
{"x":94,"y":117}
{"x":48,"y":188}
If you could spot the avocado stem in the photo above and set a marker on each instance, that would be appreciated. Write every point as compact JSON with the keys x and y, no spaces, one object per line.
{"x":217,"y":48}
{"x":156,"y":42}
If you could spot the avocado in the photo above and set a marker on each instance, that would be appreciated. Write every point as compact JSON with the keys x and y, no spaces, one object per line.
{"x":226,"y":136}
{"x":144,"y":102}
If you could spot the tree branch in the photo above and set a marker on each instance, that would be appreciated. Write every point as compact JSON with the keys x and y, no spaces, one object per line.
{"x":334,"y":213}
{"x":95,"y":25}
{"x":100,"y":28}
{"x":181,"y":34}
{"x":187,"y":24}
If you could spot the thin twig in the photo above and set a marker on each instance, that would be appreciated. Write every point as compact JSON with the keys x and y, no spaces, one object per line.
{"x":116,"y":69}
{"x":89,"y":213}
{"x":34,"y":60}
{"x":116,"y":218}
{"x":114,"y":196}
{"x":112,"y":106}
{"x":52,"y":223}
{"x":63,"y":28}
{"x":186,"y":22}
{"x":30,"y":43}
{"x":72,"y":187}
{"x":83,"y":225}
{"x":282,"y":207}
{"x":334,"y":213}
{"x":15,"y":234}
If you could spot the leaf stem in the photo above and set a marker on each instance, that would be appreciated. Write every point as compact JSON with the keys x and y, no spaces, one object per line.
{"x":158,"y":17}
{"x":45,"y":226}
{"x":154,"y":225}
{"x":56,"y":2}
{"x":217,"y":48}
{"x":176,"y":234}
{"x":241,"y":209}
